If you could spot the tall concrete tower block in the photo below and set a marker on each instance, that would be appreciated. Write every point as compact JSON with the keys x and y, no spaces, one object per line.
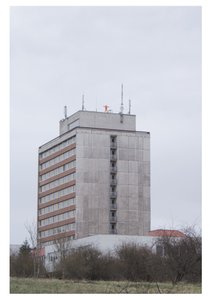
{"x":94,"y":178}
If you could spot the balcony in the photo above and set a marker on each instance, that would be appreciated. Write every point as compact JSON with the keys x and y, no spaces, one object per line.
{"x":113,"y":145}
{"x":113,"y":169}
{"x":113,"y":206}
{"x":113,"y":219}
{"x":113,"y":195}
{"x":113,"y":182}
{"x":113,"y":157}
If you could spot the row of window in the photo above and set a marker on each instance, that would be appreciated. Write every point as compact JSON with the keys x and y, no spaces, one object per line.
{"x":58,"y":147}
{"x":44,"y":244}
{"x":57,"y":218}
{"x":53,"y":256}
{"x":56,"y":230}
{"x":57,"y":159}
{"x":58,"y":182}
{"x":56,"y":206}
{"x":58,"y":194}
{"x":59,"y":170}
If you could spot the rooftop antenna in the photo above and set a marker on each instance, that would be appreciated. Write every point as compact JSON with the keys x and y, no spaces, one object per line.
{"x":83,"y":102}
{"x":129,"y":106}
{"x":122,"y":105}
{"x":65,"y":111}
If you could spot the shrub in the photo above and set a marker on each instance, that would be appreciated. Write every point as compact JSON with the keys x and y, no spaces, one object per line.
{"x":134,"y":262}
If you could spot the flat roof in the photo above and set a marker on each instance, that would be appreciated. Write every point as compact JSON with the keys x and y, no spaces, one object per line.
{"x":103,"y":129}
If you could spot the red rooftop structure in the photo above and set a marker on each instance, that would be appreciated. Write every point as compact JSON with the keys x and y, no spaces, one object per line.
{"x":166,"y":232}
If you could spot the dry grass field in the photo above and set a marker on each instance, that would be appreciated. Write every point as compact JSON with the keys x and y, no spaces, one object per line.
{"x":55,"y":286}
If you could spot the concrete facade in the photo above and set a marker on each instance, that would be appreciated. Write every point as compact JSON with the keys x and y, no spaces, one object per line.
{"x":93,"y":182}
{"x":103,"y":186}
{"x":93,"y":119}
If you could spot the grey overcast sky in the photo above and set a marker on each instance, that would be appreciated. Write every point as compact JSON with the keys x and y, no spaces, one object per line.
{"x":59,"y":53}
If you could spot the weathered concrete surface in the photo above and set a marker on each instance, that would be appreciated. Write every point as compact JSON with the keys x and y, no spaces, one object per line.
{"x":97,"y":120}
{"x":93,"y":182}
{"x":93,"y":132}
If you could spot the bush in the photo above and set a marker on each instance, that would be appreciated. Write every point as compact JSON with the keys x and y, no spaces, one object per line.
{"x":182,"y":257}
{"x":21,"y":265}
{"x":82,"y":263}
{"x":90,"y":264}
{"x":134,"y":261}
{"x":182,"y":261}
{"x":26,"y":263}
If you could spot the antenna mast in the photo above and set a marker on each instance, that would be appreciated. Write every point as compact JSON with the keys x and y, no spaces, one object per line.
{"x":83,"y":102}
{"x":65,"y":111}
{"x":129,"y":106}
{"x":122,"y":104}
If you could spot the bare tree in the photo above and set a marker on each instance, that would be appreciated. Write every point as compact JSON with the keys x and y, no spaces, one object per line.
{"x":36,"y":249}
{"x":63,"y":247}
{"x":182,"y":256}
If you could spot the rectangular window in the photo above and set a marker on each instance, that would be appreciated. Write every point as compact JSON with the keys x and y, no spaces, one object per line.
{"x":58,"y":147}
{"x":58,"y":159}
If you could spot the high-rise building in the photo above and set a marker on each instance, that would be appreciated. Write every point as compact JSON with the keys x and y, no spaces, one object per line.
{"x":94,"y":178}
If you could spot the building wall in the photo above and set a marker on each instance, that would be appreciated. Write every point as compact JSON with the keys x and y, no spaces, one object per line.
{"x":97,"y":120}
{"x":93,"y":182}
{"x":56,"y":189}
{"x":99,"y":201}
{"x":133,"y":189}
